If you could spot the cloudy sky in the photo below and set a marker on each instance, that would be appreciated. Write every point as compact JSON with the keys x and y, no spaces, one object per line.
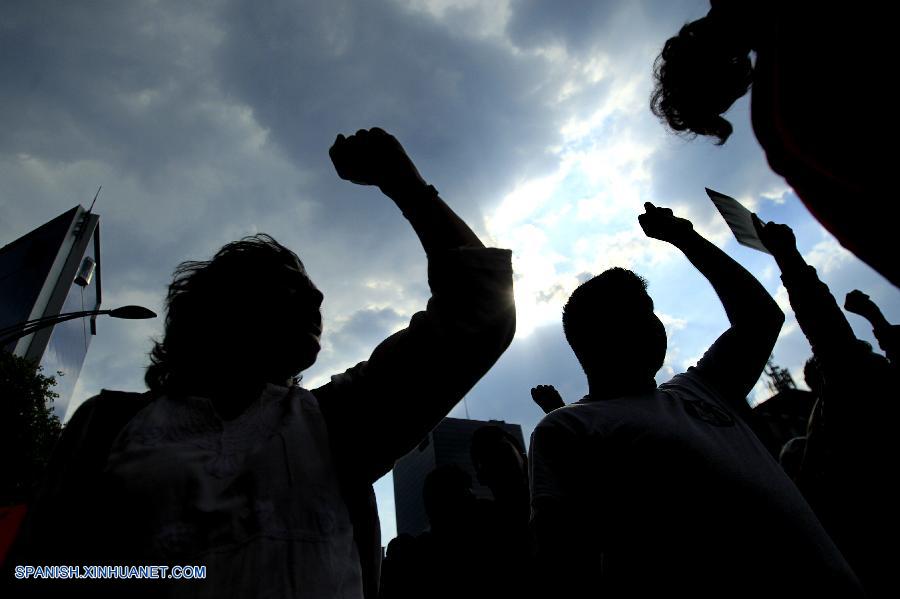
{"x":206,"y":121}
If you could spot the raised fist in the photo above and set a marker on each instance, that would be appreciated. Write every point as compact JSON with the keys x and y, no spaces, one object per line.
{"x":660,"y":223}
{"x":778,"y":239}
{"x":374,"y":157}
{"x":859,"y":303}
{"x":547,"y":398}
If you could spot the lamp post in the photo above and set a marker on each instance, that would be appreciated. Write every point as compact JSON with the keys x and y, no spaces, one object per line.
{"x":19,"y":330}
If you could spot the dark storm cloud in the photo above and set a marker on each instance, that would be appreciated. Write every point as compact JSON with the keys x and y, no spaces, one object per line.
{"x":113,"y":81}
{"x":472,"y":114}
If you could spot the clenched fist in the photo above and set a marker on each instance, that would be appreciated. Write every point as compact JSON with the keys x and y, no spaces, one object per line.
{"x":375,"y":157}
{"x":660,"y":223}
{"x":547,"y":398}
{"x":779,"y":239}
{"x":860,"y":303}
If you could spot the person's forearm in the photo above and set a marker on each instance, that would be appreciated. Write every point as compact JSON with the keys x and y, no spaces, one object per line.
{"x":877,"y":319}
{"x":789,"y":260}
{"x":436,"y":224}
{"x":742,"y":296}
{"x":818,"y":314}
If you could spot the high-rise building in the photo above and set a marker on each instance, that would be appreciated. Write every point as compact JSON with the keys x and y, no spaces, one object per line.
{"x":54,"y":269}
{"x":448,"y":443}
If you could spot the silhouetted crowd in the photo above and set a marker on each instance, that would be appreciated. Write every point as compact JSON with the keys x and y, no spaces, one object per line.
{"x":637,"y":489}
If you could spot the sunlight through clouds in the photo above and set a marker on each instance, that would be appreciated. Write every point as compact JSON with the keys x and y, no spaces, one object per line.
{"x":581,"y":218}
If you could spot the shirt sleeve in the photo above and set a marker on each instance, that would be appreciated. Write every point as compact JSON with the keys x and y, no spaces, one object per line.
{"x":568,"y":523}
{"x":552,"y":463}
{"x":818,"y":314}
{"x":380,"y":409}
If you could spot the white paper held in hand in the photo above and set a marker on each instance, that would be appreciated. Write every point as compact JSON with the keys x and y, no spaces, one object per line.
{"x":739,"y":219}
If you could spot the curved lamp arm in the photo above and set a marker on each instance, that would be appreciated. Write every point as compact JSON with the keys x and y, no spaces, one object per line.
{"x":19,"y":330}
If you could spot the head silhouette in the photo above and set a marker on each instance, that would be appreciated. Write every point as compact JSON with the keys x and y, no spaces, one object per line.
{"x":610,"y":324}
{"x":498,"y":457}
{"x":701,"y":72}
{"x":250,"y":313}
{"x":813,"y":376}
{"x":448,"y":497}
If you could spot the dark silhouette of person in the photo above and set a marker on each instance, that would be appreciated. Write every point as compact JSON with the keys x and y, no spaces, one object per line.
{"x":887,"y":334}
{"x":449,"y":500}
{"x":641,"y":490}
{"x":450,"y":554}
{"x":547,"y":398}
{"x":792,"y":453}
{"x":475,"y":547}
{"x":849,"y":450}
{"x":501,"y":464}
{"x":443,"y":561}
{"x":820,"y":105}
{"x":403,"y":574}
{"x":227,"y":462}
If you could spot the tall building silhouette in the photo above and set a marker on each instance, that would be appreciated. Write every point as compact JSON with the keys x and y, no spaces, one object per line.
{"x":54,"y":269}
{"x":448,"y":443}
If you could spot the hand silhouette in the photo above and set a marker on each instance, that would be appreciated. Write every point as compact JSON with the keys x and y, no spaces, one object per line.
{"x":859,"y":303}
{"x":660,"y":223}
{"x":374,"y":157}
{"x":778,"y":239}
{"x":547,"y":398}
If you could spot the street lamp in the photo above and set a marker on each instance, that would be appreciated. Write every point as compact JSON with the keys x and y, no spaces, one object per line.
{"x":17,"y":331}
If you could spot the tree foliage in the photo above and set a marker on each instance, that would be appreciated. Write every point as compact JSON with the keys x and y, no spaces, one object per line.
{"x":28,"y":427}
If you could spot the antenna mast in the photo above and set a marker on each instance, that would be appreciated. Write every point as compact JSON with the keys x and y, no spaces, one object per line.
{"x":91,"y":209}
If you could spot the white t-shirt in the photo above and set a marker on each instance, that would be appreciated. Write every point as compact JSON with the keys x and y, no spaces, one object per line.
{"x":672,"y":491}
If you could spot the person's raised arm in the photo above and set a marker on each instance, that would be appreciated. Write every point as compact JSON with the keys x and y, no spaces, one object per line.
{"x":387,"y":404}
{"x":817,"y":312}
{"x":888,"y":334}
{"x":859,"y":303}
{"x":734,"y":362}
{"x":375,"y":157}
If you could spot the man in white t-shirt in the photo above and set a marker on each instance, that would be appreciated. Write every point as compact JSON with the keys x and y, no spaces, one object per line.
{"x":639,"y":489}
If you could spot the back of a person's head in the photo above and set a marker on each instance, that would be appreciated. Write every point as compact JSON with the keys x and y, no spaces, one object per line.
{"x":251,"y":294}
{"x":447,"y":494}
{"x":488,"y":438}
{"x":610,"y":324}
{"x":496,"y":453}
{"x":812,"y":375}
{"x":700,"y":73}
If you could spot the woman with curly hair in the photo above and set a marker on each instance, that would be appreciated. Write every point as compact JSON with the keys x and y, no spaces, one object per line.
{"x":227,"y":462}
{"x":820,"y":104}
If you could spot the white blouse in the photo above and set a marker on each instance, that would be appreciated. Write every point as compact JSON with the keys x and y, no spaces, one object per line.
{"x":254,"y":499}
